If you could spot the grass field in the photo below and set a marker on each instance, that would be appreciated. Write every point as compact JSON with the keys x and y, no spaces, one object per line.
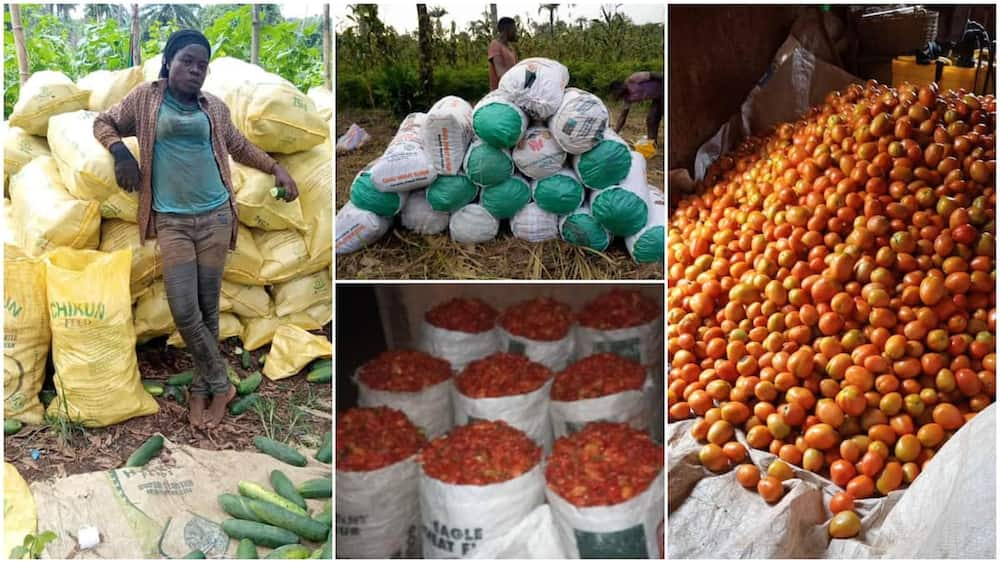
{"x":403,"y":254}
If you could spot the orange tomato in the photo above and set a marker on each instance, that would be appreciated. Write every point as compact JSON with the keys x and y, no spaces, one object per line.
{"x":844,"y":525}
{"x":841,"y":501}
{"x":861,"y":486}
{"x":770,"y":489}
{"x":734,"y":451}
{"x":841,"y":472}
{"x":712,"y":457}
{"x":748,"y":475}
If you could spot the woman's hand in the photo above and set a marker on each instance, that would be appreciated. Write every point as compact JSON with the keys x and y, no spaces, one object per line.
{"x":126,"y":167}
{"x":283,"y":180}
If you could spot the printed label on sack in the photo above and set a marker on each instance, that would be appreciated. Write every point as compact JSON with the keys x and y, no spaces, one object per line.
{"x":350,"y":524}
{"x":457,"y":541}
{"x":629,"y":348}
{"x":629,"y":543}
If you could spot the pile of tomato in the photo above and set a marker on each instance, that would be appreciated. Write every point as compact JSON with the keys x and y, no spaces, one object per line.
{"x":604,"y":464}
{"x":617,"y":309}
{"x":598,"y":375}
{"x":832,"y":291}
{"x":404,"y":371}
{"x":542,"y":319}
{"x":501,"y":375}
{"x":480,"y":453}
{"x":373,"y":438}
{"x":462,"y":314}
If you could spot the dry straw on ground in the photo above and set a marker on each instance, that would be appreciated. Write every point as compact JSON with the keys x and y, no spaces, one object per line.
{"x":403,"y":254}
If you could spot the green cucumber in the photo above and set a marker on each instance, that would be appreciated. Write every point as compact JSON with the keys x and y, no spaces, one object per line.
{"x":325,"y":452}
{"x":154,"y":388}
{"x":328,"y":546}
{"x":302,"y":526}
{"x":254,"y":491}
{"x":261,"y":534}
{"x":11,"y":426}
{"x":236,"y":506}
{"x":317,"y":553}
{"x":321,"y":363}
{"x":250,"y":384}
{"x":176,"y":393}
{"x":242,"y":404}
{"x":180,"y":379}
{"x":196,"y":554}
{"x":316,"y":488}
{"x":245,"y":359}
{"x":294,"y":551}
{"x":279,"y":451}
{"x":326,"y":515}
{"x":320,"y":375}
{"x":247,"y":550}
{"x":284,"y":487}
{"x":233,"y":377}
{"x":147,"y":451}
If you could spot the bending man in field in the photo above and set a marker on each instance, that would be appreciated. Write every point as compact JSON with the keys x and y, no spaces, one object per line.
{"x":186,"y":199}
{"x":500,"y":55}
{"x":639,"y":87}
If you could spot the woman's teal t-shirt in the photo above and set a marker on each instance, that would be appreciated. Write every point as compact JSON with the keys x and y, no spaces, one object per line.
{"x":186,"y":178}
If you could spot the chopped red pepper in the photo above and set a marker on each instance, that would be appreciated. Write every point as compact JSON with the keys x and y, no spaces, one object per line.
{"x":543,"y":319}
{"x":604,"y":464}
{"x":463,"y":315}
{"x":501,"y":375}
{"x":619,"y":308}
{"x":598,"y":376}
{"x":480,"y":453}
{"x":376,"y":437}
{"x":404,"y":370}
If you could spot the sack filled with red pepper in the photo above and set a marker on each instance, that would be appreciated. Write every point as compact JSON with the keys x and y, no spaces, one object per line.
{"x":459,"y":331}
{"x":377,"y":501}
{"x":541,"y":329}
{"x":506,"y":387}
{"x":624,"y":321}
{"x":414,"y":382}
{"x":477,"y":483}
{"x":604,"y":386}
{"x":605,"y":487}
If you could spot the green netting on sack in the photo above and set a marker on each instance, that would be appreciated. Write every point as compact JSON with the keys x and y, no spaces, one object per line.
{"x":582,"y":229}
{"x":488,"y":166}
{"x":559,"y":194}
{"x":604,"y":165}
{"x":365,"y":196}
{"x":506,"y":198}
{"x":449,"y":193}
{"x":499,"y":124}
{"x":648,"y":247}
{"x":620,"y":211}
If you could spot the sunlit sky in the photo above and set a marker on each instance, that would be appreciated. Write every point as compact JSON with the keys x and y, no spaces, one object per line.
{"x":403,"y":17}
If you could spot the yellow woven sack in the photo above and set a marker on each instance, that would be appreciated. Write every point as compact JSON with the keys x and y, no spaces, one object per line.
{"x":152,"y":314}
{"x":321,"y":312}
{"x":255,"y":205}
{"x":243,"y":264}
{"x":284,"y":253}
{"x":46,"y":93}
{"x":229,"y":326}
{"x":108,"y":87}
{"x":20,"y":148}
{"x":323,"y":99}
{"x":26,"y":336}
{"x":9,"y":232}
{"x":245,"y":300}
{"x":87,"y":168}
{"x":151,"y":68}
{"x":292,"y":349}
{"x":269,"y":110}
{"x":46,"y":216}
{"x":20,"y":517}
{"x":313,"y":173}
{"x":93,"y":338}
{"x":301,"y":293}
{"x":259,"y":331}
{"x":146,"y":264}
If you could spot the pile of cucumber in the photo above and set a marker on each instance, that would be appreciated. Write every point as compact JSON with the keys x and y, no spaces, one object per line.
{"x":279,"y":519}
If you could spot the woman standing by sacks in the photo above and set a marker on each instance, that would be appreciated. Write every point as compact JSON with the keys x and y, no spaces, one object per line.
{"x":186,"y":198}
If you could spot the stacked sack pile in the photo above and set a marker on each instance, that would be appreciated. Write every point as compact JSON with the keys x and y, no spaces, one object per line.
{"x":538,"y":385}
{"x":532,"y":152}
{"x":65,"y":209}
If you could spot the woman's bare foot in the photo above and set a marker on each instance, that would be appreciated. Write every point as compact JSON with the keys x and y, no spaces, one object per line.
{"x":196,"y":414}
{"x":217,"y":410}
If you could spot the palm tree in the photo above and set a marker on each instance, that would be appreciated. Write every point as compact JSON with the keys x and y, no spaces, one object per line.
{"x":185,"y":15}
{"x":426,"y":62}
{"x":102,"y":12}
{"x":436,"y":13}
{"x":552,"y":15}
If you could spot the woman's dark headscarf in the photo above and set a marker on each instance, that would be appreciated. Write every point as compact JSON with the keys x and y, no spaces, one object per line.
{"x":177,"y":41}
